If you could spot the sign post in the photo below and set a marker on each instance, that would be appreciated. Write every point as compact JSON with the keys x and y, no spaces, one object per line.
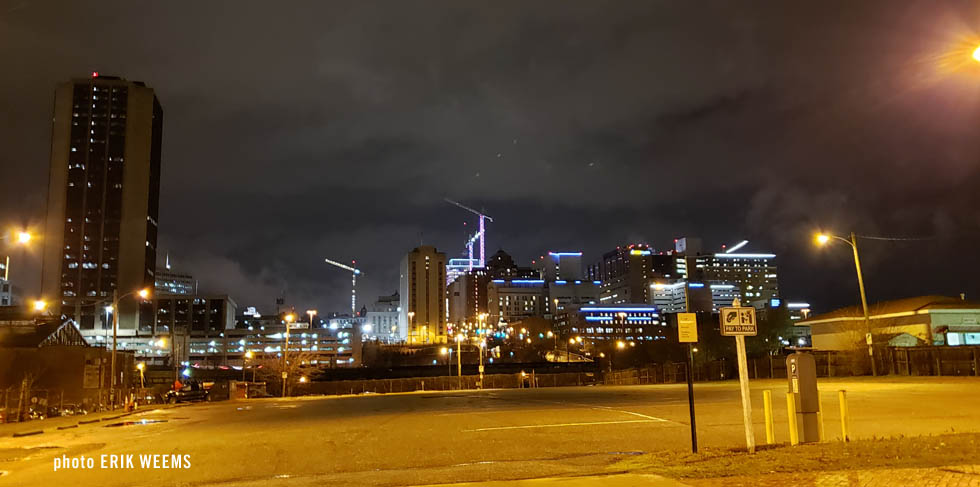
{"x":687,"y":332}
{"x":740,"y":322}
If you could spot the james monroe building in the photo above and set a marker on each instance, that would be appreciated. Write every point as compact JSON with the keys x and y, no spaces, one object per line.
{"x":103,"y":196}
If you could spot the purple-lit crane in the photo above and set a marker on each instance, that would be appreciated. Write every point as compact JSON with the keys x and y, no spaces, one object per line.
{"x":353,"y":283}
{"x":479,"y":235}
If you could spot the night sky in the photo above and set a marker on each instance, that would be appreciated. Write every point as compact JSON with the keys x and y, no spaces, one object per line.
{"x":335,"y":129}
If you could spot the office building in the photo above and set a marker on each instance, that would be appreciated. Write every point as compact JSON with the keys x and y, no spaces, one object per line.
{"x":671,"y":296}
{"x":754,"y":274}
{"x":207,"y":314}
{"x":511,"y":300}
{"x":605,"y":323}
{"x":381,"y":319}
{"x":562,"y":293}
{"x":422,"y":296}
{"x":467,"y":297}
{"x":169,"y":282}
{"x":103,"y":195}
{"x":557,"y":266}
{"x":625,"y":274}
{"x":468,"y":294}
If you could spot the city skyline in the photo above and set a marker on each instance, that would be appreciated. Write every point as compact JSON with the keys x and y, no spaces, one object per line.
{"x":306,"y":156}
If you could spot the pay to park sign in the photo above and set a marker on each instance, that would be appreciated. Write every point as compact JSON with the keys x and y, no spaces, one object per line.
{"x":738,"y":321}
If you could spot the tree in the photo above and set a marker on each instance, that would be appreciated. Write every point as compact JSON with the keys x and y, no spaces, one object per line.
{"x":271,"y":367}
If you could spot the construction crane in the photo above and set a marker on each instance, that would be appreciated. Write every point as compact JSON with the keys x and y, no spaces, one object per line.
{"x":479,"y":235}
{"x":353,"y":283}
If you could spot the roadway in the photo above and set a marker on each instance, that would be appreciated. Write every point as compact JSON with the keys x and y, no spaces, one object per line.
{"x":442,"y":437}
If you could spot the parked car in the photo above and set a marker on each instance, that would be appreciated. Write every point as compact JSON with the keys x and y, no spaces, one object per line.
{"x":190,"y":391}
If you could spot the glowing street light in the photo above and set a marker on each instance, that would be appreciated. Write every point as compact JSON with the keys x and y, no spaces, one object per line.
{"x":823,"y":239}
{"x":143,"y":294}
{"x":290,"y":318}
{"x":976,"y":54}
{"x":312,"y":313}
{"x":40,"y":305}
{"x":20,"y":237}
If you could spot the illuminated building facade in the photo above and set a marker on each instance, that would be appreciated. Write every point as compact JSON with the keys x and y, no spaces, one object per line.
{"x":562,"y":293}
{"x":103,"y":197}
{"x":511,"y":300}
{"x":625,"y":274}
{"x":422,"y":296}
{"x":753,"y":273}
{"x":670,"y":296}
{"x":381,"y":320}
{"x":598,"y":323}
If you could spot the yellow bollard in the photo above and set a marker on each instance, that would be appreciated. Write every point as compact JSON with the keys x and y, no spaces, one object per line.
{"x":794,"y":433}
{"x":770,"y":425}
{"x":845,"y":419}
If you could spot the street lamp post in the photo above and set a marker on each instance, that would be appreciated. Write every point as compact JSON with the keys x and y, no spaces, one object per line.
{"x":823,"y":239}
{"x":143,"y":294}
{"x":290,"y":318}
{"x":312,"y":313}
{"x":411,"y":325}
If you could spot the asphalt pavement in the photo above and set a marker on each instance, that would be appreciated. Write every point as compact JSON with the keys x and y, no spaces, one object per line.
{"x":467,"y":436}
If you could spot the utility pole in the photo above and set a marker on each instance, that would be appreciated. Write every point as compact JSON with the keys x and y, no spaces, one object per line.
{"x":285,"y":352}
{"x":864,"y":305}
{"x":115,"y":331}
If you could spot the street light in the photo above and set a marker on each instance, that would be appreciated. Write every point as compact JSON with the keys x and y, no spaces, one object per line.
{"x":140,"y":366}
{"x":143,"y":294}
{"x":40,"y":305}
{"x":976,"y":54}
{"x":823,"y":239}
{"x":290,"y":318}
{"x":312,"y":313}
{"x":20,"y":237}
{"x":411,"y":321}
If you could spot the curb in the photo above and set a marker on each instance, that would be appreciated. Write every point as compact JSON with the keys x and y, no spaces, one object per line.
{"x":89,"y":421}
{"x":28,"y":433}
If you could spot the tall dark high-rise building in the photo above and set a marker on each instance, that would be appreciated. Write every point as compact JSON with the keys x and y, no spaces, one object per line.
{"x":103,"y":200}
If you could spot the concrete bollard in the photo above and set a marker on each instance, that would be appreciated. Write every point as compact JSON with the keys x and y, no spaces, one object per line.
{"x":770,"y":424}
{"x":845,"y":420}
{"x":794,"y":433}
{"x":823,"y":432}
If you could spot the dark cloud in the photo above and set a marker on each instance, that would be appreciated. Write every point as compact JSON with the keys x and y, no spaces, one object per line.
{"x":314,"y":130}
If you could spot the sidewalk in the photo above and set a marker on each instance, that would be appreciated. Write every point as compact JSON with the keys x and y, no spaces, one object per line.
{"x":620,"y":480}
{"x":8,"y":430}
{"x":952,"y":476}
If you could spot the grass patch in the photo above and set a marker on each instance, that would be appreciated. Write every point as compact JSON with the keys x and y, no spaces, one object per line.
{"x":901,"y":452}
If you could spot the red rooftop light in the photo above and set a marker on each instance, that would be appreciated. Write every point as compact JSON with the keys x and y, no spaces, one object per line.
{"x":95,"y":74}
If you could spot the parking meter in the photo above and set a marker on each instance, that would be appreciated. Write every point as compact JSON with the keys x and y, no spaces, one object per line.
{"x":801,"y":371}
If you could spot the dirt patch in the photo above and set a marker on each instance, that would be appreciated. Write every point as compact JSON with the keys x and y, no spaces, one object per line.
{"x":903,"y":452}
